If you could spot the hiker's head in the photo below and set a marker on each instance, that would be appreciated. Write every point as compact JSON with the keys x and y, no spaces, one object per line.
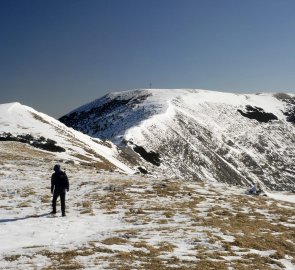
{"x":56,"y":168}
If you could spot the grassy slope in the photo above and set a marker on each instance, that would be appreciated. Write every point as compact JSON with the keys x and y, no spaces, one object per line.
{"x":166,"y":223}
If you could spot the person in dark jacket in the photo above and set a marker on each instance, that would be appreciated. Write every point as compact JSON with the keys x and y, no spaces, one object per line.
{"x":59,"y":186}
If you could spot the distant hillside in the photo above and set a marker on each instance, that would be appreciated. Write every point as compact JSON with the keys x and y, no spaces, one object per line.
{"x":26,"y":134}
{"x":204,"y":135}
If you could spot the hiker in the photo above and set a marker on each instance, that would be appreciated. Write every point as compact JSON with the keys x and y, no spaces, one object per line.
{"x":59,"y":186}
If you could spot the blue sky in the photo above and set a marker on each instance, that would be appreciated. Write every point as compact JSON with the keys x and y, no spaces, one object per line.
{"x":56,"y":55}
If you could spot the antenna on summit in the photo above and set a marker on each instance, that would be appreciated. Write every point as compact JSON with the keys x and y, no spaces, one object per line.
{"x":150,"y":85}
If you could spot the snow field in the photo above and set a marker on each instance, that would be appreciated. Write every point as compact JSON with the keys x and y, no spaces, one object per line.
{"x":116,"y":220}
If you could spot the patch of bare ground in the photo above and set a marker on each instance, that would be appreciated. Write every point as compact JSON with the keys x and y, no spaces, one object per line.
{"x":26,"y":192}
{"x":152,"y":261}
{"x":128,"y":156}
{"x":104,"y":143}
{"x":87,"y":208}
{"x":100,"y":165}
{"x":39,"y":118}
{"x":250,"y":229}
{"x":91,"y":157}
{"x":24,"y":204}
{"x":190,"y":203}
{"x":45,"y":199}
{"x":65,"y":260}
{"x":69,"y":258}
{"x":5,"y":207}
{"x":144,"y":256}
{"x":114,"y":241}
{"x":260,"y":262}
{"x":254,"y":230}
{"x":167,"y":188}
{"x":113,"y":201}
{"x":12,"y":258}
{"x":16,"y":151}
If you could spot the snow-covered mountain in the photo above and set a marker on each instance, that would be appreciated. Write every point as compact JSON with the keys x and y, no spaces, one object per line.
{"x":200,"y":134}
{"x":26,"y":132}
{"x":122,"y":221}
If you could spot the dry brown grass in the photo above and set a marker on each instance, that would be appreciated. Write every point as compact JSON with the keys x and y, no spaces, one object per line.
{"x":113,"y":200}
{"x":165,"y":247}
{"x":99,"y":165}
{"x":254,"y":230}
{"x":90,"y":158}
{"x":191,"y":203}
{"x":168,"y":214}
{"x":68,"y":259}
{"x":267,"y":242}
{"x":39,"y":118}
{"x":64,"y":260}
{"x":16,"y":151}
{"x":260,"y":262}
{"x":167,"y":188}
{"x":5,"y":207}
{"x":46,"y":198}
{"x":24,"y":204}
{"x":104,"y":143}
{"x":114,"y":241}
{"x":12,"y":258}
{"x":26,"y":192}
{"x":210,"y":264}
{"x":87,"y":208}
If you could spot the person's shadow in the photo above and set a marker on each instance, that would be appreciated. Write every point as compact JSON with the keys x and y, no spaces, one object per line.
{"x":22,"y":218}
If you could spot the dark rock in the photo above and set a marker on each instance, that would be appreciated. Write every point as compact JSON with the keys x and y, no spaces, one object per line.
{"x":41,"y":142}
{"x":258,"y":114}
{"x":151,"y":156}
{"x":142,"y":170}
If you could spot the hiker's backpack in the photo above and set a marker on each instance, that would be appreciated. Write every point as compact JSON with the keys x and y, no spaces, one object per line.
{"x":61,"y":180}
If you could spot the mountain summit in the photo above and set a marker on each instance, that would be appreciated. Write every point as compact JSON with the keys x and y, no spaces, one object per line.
{"x":200,"y":134}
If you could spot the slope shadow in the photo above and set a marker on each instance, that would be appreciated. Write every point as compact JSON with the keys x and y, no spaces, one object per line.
{"x":22,"y":218}
{"x":111,"y":116}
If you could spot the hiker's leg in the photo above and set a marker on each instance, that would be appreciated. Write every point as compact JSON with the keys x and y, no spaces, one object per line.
{"x":54,"y":198}
{"x":63,"y":202}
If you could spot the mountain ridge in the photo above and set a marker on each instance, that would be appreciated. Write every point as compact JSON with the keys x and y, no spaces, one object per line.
{"x":201,"y":134}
